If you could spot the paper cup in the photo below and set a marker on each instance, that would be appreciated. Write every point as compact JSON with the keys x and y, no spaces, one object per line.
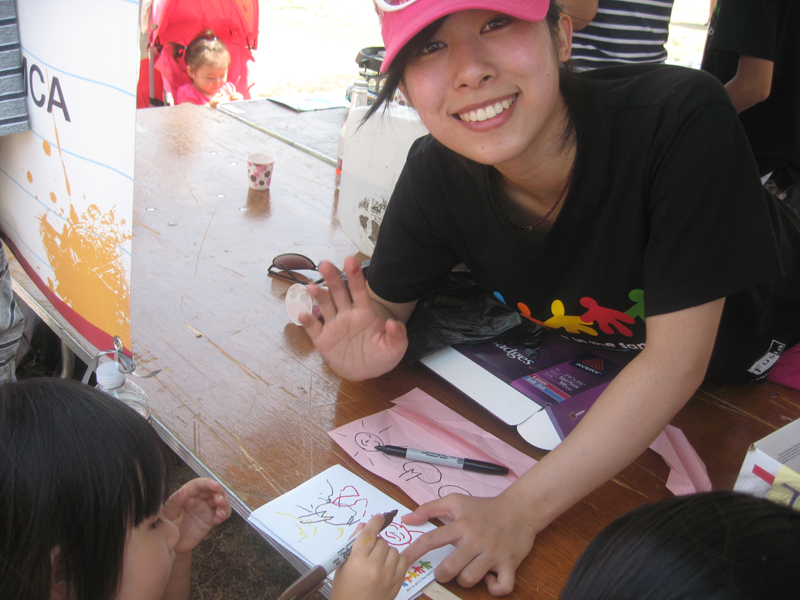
{"x":298,"y":301}
{"x":259,"y":170}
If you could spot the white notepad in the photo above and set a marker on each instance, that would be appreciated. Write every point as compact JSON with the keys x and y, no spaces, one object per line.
{"x":316,"y":518}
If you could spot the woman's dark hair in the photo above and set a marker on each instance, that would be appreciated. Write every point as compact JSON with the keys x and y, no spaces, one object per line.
{"x":78,"y":468}
{"x":711,"y":546}
{"x":206,"y":47}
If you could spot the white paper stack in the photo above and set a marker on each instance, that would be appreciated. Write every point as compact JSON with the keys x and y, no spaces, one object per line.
{"x":318,"y":517}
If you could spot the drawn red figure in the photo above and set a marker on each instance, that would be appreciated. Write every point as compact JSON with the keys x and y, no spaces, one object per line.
{"x":396,"y":534}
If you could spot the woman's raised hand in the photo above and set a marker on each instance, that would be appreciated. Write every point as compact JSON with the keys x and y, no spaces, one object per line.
{"x":356,"y":340}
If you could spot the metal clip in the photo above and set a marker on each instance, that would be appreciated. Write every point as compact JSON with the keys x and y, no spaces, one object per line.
{"x":124,"y":363}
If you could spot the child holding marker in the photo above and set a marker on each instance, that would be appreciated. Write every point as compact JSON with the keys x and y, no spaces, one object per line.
{"x":207,"y":62}
{"x":84,"y":513}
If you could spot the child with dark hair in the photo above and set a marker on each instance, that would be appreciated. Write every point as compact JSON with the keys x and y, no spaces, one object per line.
{"x":84,"y":513}
{"x":719,"y":545}
{"x":207,"y":63}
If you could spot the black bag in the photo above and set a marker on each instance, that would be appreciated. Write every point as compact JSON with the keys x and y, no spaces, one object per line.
{"x":459,"y":311}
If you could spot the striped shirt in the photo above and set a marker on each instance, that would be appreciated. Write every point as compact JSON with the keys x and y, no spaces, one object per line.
{"x":623,"y":32}
{"x":13,"y":110}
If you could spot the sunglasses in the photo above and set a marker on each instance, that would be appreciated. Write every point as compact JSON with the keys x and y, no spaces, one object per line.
{"x":393,"y":5}
{"x":286,"y":265}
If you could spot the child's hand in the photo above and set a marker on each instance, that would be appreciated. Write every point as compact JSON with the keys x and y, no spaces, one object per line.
{"x":236,"y":96}
{"x":374,"y":571}
{"x":195,"y":508}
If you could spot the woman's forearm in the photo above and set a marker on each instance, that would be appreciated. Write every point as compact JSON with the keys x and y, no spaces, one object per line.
{"x":627,"y":417}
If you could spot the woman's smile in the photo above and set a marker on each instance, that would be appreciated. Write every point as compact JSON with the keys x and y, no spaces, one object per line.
{"x":488,"y":111}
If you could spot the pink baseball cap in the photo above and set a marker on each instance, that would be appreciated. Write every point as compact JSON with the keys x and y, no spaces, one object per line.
{"x":406,"y":18}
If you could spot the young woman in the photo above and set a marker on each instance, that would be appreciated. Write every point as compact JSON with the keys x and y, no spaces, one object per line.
{"x":620,"y":208}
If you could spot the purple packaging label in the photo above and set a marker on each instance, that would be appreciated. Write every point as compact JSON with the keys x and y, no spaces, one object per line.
{"x":568,"y":379}
{"x":565,"y":416}
{"x":510,"y":362}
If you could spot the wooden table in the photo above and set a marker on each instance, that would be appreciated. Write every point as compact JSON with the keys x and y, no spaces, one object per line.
{"x":315,"y":132}
{"x":243,"y":394}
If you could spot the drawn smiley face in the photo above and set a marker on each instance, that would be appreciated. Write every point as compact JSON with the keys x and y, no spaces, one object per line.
{"x":367,"y":441}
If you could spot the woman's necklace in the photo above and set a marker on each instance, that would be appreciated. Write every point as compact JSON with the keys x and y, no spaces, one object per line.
{"x":549,"y":212}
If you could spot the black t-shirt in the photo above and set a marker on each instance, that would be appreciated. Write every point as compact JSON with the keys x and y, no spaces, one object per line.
{"x":766,"y":29}
{"x":665,"y":212}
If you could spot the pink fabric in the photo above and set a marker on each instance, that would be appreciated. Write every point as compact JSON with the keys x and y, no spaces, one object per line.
{"x":235,"y":22}
{"x":189,"y":93}
{"x":174,"y":71}
{"x":399,"y":26}
{"x":786,"y":371}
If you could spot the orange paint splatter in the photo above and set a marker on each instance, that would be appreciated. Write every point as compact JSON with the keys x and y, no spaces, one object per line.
{"x":53,"y":197}
{"x":89,"y":274}
{"x":30,"y":177}
{"x":46,"y":147}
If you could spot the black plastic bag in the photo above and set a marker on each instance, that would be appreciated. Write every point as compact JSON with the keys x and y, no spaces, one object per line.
{"x":459,"y":311}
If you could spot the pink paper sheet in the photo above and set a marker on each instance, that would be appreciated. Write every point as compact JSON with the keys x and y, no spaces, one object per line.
{"x":418,"y":421}
{"x":687,"y":473}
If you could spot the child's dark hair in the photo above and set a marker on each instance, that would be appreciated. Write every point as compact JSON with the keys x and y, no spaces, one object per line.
{"x":713,"y":546}
{"x":206,"y":47}
{"x":78,"y":468}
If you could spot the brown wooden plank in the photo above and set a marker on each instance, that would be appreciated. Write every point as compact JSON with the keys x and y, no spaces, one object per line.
{"x":316,"y":130}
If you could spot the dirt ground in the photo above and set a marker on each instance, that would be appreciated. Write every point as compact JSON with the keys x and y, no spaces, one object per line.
{"x":308,"y":46}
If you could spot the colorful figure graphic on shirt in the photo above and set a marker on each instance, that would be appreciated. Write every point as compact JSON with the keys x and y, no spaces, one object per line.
{"x":572,"y":324}
{"x":637,"y":310}
{"x":605,"y":318}
{"x":526,"y":312}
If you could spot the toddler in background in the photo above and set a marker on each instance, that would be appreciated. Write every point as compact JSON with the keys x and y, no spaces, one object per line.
{"x":207,"y":62}
{"x":84,"y":513}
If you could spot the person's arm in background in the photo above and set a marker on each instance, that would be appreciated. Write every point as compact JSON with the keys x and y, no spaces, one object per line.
{"x":581,"y":12}
{"x":752,"y":83}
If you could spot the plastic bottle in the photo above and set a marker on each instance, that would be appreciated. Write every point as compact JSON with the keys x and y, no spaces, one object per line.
{"x":358,"y":97}
{"x":113,"y":382}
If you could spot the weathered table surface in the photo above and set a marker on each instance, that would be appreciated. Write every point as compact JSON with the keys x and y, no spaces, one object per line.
{"x":315,"y":132}
{"x":243,"y":394}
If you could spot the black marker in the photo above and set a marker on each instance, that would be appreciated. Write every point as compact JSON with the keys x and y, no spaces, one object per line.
{"x":313,"y":580}
{"x":434,"y":458}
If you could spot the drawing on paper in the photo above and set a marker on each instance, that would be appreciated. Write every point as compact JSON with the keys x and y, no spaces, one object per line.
{"x":397,"y":534}
{"x":411,"y":470}
{"x":369,"y":441}
{"x":342,"y":509}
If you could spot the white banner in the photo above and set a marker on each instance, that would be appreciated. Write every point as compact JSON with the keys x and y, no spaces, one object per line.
{"x":66,"y":186}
